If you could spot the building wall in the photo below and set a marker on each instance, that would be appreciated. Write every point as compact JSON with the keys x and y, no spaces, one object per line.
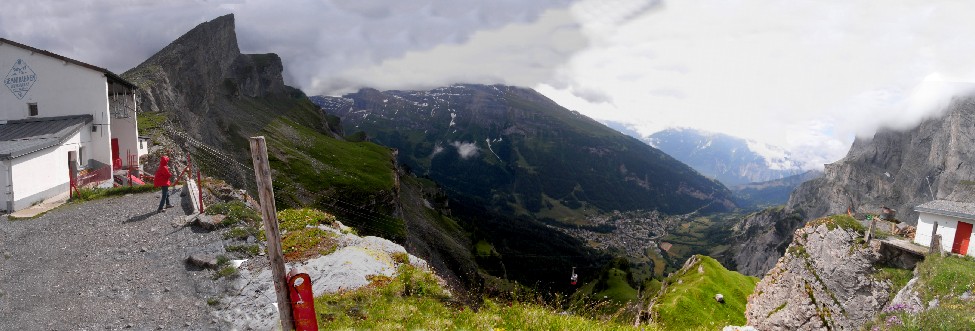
{"x":59,"y":89}
{"x":127,"y":131}
{"x":5,"y":187}
{"x":946,"y":228}
{"x":41,"y":175}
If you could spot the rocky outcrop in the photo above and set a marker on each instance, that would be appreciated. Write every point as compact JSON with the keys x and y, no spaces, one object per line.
{"x":761,"y":238}
{"x":823,"y":282}
{"x":899,"y":169}
{"x":202,"y":82}
{"x":355,"y":264}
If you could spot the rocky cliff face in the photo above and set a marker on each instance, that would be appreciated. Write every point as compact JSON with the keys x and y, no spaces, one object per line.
{"x":201,"y":78}
{"x":761,"y":238}
{"x":899,"y":169}
{"x":208,"y":89}
{"x":823,"y":282}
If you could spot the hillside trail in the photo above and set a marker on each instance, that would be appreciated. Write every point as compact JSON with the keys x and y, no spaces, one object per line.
{"x":112,"y":263}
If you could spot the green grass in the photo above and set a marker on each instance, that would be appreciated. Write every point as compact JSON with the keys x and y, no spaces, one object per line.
{"x":236,"y":212}
{"x":224,"y":268}
{"x":944,"y":278}
{"x":356,"y":167}
{"x":898,"y":277}
{"x":414,"y":301}
{"x":841,"y":221}
{"x":617,"y":288}
{"x":297,"y":219}
{"x":949,"y":275}
{"x":690,"y":305}
{"x":150,"y":121}
{"x":332,"y":172}
{"x":301,"y":237}
{"x":249,"y":249}
{"x":89,"y":194}
{"x":483,"y":248}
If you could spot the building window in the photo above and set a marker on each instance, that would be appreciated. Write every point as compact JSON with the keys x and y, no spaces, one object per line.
{"x":81,"y":156}
{"x":32,"y":109}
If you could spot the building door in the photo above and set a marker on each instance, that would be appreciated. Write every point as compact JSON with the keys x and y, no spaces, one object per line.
{"x":962,"y":235}
{"x":116,"y":161}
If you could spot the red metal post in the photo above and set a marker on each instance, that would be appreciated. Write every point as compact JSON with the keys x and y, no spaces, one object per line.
{"x":302,"y":301}
{"x":199,"y":187}
{"x":128,"y":157}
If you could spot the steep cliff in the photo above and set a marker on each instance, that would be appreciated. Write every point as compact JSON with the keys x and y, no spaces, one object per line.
{"x":215,"y":93}
{"x":823,"y":282}
{"x":761,"y":238}
{"x":899,"y":169}
{"x":205,"y":87}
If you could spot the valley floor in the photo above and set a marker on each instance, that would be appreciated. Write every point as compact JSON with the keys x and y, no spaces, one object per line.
{"x":106,"y":264}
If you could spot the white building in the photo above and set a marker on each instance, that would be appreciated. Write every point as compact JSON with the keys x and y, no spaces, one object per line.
{"x":54,"y":109}
{"x":952,"y":220}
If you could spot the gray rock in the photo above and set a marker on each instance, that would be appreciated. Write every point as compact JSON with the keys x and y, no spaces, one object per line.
{"x":822,"y":282}
{"x":208,"y":222}
{"x":761,"y":238}
{"x":202,"y":260}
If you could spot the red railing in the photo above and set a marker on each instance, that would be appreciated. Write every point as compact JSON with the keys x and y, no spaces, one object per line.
{"x":94,"y":176}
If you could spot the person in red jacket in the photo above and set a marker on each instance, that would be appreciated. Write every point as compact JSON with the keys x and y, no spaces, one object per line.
{"x":162,"y":180}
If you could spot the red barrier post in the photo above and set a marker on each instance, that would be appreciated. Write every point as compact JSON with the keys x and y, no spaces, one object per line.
{"x":302,"y":300}
{"x":199,"y":188}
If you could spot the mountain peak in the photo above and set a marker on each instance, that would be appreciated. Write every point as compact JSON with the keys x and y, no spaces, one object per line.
{"x":212,"y":43}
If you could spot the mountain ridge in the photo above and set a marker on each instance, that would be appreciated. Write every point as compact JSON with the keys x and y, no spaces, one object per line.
{"x":517,"y":140}
{"x":731,"y":160}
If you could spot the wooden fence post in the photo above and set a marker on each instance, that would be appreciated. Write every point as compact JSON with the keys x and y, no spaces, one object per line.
{"x":265,"y":192}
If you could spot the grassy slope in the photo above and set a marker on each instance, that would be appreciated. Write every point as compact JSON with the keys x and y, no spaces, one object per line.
{"x":942,"y":278}
{"x":337,"y":175}
{"x":618,"y":289}
{"x":413,"y":301}
{"x":688,"y":303}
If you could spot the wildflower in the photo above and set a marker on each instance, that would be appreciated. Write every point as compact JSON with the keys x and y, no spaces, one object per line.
{"x":894,"y":320}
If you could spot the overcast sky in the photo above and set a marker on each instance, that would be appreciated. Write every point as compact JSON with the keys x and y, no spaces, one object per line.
{"x":804,"y":75}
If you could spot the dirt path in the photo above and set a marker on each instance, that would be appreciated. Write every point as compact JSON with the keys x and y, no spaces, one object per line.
{"x":107,"y":264}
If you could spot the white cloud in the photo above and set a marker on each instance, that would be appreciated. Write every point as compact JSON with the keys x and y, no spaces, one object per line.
{"x":808,"y":75}
{"x":465,"y":149}
{"x":805,"y":75}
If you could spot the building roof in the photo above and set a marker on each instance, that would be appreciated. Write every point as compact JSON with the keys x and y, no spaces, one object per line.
{"x":964,"y":210}
{"x":22,"y":137}
{"x":112,"y":77}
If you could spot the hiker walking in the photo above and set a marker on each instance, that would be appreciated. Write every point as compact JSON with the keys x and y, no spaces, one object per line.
{"x":162,"y":180}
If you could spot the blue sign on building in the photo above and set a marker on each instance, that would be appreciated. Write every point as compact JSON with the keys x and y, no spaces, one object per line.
{"x":20,"y":79}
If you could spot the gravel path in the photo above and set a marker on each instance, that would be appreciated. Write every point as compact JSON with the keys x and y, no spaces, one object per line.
{"x":107,"y":264}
